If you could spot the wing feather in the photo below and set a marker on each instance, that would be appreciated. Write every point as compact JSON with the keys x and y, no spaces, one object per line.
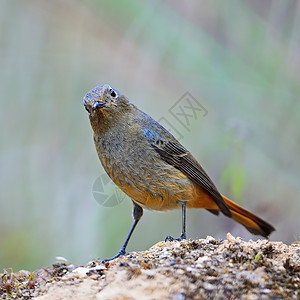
{"x":176,"y":155}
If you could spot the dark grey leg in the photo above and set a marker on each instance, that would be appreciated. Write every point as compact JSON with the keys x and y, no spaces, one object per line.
{"x":183,"y":234}
{"x":137,"y":214}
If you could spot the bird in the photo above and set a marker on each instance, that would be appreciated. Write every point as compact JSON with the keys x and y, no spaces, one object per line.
{"x":152,"y":167}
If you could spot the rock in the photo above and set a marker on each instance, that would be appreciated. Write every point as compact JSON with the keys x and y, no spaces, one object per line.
{"x":189,"y":269}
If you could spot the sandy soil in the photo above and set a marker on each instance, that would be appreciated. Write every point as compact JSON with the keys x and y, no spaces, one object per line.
{"x":190,"y":269}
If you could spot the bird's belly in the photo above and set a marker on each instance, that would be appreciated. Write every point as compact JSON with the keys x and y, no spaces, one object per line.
{"x":146,"y":179}
{"x":156,"y":191}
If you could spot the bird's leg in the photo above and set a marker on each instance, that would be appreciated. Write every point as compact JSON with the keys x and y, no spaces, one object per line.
{"x":183,"y":234}
{"x":137,"y":214}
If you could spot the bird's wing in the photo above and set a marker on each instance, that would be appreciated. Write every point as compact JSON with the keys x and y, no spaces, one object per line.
{"x":176,"y":155}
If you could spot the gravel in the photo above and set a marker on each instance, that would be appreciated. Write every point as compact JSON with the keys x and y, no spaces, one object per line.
{"x":189,"y":269}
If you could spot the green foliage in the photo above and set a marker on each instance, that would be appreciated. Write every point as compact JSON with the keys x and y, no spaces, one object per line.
{"x":257,"y":257}
{"x":233,"y":177}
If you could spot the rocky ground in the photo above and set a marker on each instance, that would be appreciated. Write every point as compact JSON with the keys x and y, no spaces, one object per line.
{"x":190,"y":269}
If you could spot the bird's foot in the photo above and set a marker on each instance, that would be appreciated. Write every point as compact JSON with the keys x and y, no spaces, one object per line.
{"x":121,"y":253}
{"x":171,"y":239}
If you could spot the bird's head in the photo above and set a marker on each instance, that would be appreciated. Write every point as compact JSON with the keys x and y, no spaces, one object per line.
{"x":104,"y":103}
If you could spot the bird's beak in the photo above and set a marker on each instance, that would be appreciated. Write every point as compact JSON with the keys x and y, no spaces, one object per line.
{"x":98,"y":105}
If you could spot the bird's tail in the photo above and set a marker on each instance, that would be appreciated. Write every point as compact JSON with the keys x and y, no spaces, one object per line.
{"x":253,"y":223}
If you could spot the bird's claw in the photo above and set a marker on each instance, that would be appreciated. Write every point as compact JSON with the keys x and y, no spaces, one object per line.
{"x":121,"y":253}
{"x":171,"y":239}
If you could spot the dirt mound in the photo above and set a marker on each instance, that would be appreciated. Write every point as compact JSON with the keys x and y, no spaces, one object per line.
{"x":190,"y":269}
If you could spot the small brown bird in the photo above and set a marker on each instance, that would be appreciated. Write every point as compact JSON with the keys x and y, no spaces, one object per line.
{"x":148,"y":164}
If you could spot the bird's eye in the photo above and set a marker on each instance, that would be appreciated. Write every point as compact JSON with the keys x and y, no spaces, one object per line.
{"x":113,"y":93}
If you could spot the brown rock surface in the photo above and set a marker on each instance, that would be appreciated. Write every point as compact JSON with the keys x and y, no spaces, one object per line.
{"x":190,"y":269}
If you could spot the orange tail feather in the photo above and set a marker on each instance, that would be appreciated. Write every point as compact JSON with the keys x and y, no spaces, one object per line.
{"x":253,"y":223}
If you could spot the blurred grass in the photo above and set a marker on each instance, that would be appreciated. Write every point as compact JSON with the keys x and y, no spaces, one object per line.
{"x":240,"y":59}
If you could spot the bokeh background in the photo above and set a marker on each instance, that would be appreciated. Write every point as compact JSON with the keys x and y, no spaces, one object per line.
{"x":239,"y":59}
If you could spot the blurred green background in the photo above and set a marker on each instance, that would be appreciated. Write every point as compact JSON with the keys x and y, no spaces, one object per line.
{"x":239,"y":59}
